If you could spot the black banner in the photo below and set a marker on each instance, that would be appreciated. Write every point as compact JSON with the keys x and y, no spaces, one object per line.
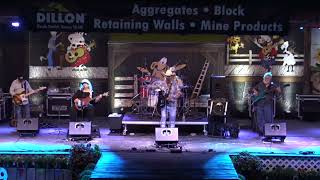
{"x":217,"y":17}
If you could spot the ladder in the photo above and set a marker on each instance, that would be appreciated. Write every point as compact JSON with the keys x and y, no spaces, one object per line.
{"x":198,"y":86}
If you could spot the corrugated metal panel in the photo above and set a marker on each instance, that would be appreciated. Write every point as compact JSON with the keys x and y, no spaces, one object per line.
{"x":42,"y":72}
{"x":117,"y":87}
{"x":122,"y":103}
{"x":123,"y":94}
{"x":123,"y":79}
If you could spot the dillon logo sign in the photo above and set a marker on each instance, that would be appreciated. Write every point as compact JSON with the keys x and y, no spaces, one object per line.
{"x":62,"y":21}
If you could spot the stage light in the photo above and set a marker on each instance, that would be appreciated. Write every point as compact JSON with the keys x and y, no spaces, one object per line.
{"x":301,"y":28}
{"x":15,"y":24}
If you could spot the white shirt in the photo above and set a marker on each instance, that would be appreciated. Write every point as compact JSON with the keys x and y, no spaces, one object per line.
{"x":17,"y":87}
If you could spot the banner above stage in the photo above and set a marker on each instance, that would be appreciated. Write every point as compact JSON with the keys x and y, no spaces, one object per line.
{"x":219,"y":17}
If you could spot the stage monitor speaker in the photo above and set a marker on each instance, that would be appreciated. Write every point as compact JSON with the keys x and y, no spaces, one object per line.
{"x":28,"y":124}
{"x":276,"y":130}
{"x":166,"y":135}
{"x":115,"y":121}
{"x":82,"y":128}
{"x":218,"y":87}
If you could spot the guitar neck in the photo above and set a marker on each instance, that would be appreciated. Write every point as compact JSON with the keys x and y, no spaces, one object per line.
{"x":104,"y":94}
{"x":30,"y":93}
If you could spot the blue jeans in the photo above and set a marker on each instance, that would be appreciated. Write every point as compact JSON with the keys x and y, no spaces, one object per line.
{"x":22,"y":111}
{"x":172,"y":110}
{"x":264,"y":115}
{"x":50,"y":57}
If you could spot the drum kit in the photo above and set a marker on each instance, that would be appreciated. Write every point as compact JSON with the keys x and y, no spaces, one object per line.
{"x":149,"y":89}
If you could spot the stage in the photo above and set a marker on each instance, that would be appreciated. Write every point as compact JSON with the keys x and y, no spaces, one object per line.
{"x":136,"y":155}
{"x":198,"y":119}
{"x":301,"y":136}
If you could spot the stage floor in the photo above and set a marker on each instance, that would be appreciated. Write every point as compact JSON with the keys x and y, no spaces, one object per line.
{"x":137,"y":156}
{"x":301,"y":136}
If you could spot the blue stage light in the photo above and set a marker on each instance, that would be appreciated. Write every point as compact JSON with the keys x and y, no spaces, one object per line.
{"x":15,"y":24}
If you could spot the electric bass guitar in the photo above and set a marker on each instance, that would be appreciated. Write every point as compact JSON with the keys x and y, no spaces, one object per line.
{"x":261,"y":96}
{"x":22,"y":98}
{"x":84,"y":102}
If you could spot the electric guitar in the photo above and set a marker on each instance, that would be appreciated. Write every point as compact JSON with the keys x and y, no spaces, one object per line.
{"x":72,"y":55}
{"x":22,"y":98}
{"x":268,"y":49}
{"x":84,"y":102}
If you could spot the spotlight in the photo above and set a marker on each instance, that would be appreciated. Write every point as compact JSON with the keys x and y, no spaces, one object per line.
{"x":15,"y":24}
{"x":301,"y":28}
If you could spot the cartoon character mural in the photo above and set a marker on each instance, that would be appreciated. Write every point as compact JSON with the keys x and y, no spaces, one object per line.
{"x":159,"y":67}
{"x":288,"y":59}
{"x":52,"y":46}
{"x":235,"y":43}
{"x":315,"y":77}
{"x":317,"y":58}
{"x":78,"y":52}
{"x":268,"y":49}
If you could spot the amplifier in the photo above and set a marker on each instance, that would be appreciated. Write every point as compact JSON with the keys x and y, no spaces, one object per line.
{"x":308,"y":106}
{"x":59,"y":105}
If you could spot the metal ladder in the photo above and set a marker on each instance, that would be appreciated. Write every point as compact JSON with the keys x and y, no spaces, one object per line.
{"x":198,"y":86}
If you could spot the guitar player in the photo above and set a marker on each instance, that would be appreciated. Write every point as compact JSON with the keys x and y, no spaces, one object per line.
{"x":21,"y":86}
{"x":264,"y":93}
{"x":170,"y":92}
{"x":84,"y":110}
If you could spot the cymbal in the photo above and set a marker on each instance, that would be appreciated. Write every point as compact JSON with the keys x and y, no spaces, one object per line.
{"x":179,"y":67}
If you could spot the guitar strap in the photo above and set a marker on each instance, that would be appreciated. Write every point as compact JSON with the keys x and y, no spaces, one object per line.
{"x":25,"y":86}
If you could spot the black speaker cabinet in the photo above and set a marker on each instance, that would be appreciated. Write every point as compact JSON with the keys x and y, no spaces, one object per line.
{"x":308,"y":106}
{"x":80,"y":129}
{"x":115,"y":122}
{"x":59,"y":104}
{"x":275,"y":130}
{"x":218,"y":87}
{"x":28,"y":126}
{"x":218,"y":126}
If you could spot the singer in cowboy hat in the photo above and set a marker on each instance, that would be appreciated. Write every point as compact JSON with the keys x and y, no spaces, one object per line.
{"x":171,"y":91}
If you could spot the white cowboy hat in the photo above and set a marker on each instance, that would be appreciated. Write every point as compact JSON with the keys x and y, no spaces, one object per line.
{"x":85,"y":81}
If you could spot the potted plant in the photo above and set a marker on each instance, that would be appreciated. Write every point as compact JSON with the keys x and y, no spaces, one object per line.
{"x":81,"y":155}
{"x":247,"y":165}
